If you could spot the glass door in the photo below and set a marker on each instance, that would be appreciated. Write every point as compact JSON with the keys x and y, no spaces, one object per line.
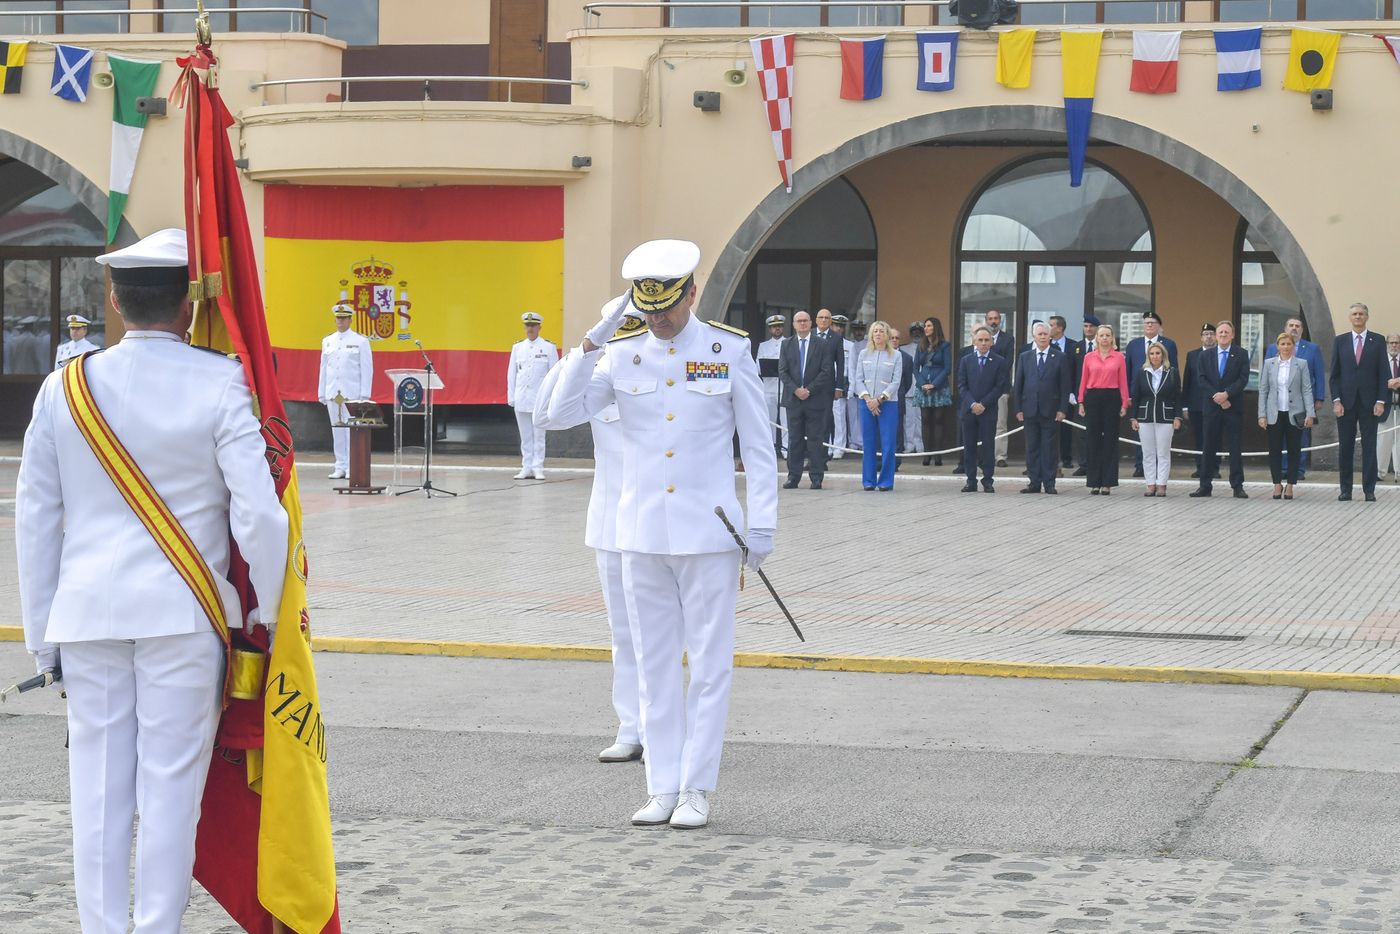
{"x":1056,"y":290}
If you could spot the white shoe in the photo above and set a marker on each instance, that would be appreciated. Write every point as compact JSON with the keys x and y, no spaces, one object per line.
{"x":692,"y":812}
{"x":656,"y":812}
{"x":837,"y":455}
{"x":621,"y":752}
{"x":539,"y":474}
{"x":523,"y":475}
{"x":336,"y":474}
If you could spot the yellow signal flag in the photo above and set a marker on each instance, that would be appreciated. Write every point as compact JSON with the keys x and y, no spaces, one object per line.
{"x":1014,"y":50}
{"x":1312,"y":54}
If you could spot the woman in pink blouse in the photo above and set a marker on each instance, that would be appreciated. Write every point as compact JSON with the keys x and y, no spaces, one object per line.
{"x":1103,"y":399}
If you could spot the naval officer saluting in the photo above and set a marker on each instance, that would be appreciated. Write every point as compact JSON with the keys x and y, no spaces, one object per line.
{"x":600,"y":534}
{"x":142,"y":663}
{"x":77,"y":343}
{"x":682,"y":389}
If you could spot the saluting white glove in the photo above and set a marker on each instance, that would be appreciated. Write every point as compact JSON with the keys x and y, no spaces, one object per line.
{"x":45,"y":660}
{"x":760,"y":543}
{"x":610,"y":320}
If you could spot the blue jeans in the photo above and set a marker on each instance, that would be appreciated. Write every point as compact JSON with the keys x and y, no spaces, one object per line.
{"x":885,"y":427}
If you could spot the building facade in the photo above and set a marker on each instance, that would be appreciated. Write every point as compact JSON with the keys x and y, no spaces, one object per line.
{"x":444,"y":208}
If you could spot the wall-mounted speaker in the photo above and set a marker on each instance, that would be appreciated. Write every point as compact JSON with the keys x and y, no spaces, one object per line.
{"x":736,"y":77}
{"x":103,"y":79}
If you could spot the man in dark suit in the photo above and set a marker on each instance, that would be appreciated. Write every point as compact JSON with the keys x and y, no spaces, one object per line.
{"x":1078,"y":350}
{"x":1135,"y":355}
{"x":1041,"y":400}
{"x":1191,"y":394}
{"x":1222,"y":373}
{"x":1358,"y":385}
{"x":825,"y":331}
{"x":807,"y":371}
{"x":983,"y":378}
{"x":1061,"y":341}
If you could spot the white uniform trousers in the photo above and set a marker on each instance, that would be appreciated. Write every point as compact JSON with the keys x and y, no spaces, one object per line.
{"x":1156,"y":440}
{"x":142,"y":715}
{"x":838,"y":428}
{"x":853,"y":436}
{"x":1003,"y":407}
{"x":340,"y":438}
{"x":913,"y":426}
{"x":777,"y":413}
{"x":683,"y":603}
{"x":626,"y":695}
{"x":531,"y":441}
{"x":1388,"y":458}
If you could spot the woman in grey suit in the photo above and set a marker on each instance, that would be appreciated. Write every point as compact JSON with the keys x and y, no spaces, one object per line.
{"x":1285,"y":386}
{"x":875,"y":381}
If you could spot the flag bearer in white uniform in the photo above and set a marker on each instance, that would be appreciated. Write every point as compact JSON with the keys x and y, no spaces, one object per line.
{"x":682,"y":389}
{"x":77,"y":343}
{"x":530,"y":361}
{"x":347,"y":370}
{"x":849,"y":407}
{"x":142,"y":665}
{"x":600,"y":534}
{"x":772,"y":391}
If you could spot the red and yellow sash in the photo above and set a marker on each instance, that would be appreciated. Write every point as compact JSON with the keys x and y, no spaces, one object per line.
{"x":170,"y":537}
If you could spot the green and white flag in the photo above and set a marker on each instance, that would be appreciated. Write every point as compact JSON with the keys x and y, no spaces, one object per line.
{"x":131,"y":78}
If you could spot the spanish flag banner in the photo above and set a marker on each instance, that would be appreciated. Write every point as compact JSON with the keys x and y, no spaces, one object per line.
{"x":263,"y":846}
{"x":1079,"y":59}
{"x":453,"y":267}
{"x":1312,"y":54}
{"x":1014,"y":50}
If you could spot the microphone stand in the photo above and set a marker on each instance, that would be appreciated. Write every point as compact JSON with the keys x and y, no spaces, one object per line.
{"x":427,"y":485}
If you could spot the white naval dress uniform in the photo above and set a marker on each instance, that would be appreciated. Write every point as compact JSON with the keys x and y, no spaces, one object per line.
{"x":681,"y":402}
{"x":852,"y":401}
{"x":772,"y":391}
{"x":837,"y":434}
{"x":70,"y":349}
{"x":600,"y":534}
{"x":530,"y":362}
{"x":141,"y":664}
{"x":347,"y":368}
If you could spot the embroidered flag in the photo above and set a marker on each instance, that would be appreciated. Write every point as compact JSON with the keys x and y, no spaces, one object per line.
{"x":72,"y":67}
{"x":1393,"y":44}
{"x":131,"y":79}
{"x":1312,"y":54}
{"x":1079,"y":61}
{"x":1238,"y":64}
{"x":772,"y":56}
{"x":1014,"y":48}
{"x":13,"y":55}
{"x":1155,"y":57}
{"x":862,"y":68}
{"x":938,"y":56}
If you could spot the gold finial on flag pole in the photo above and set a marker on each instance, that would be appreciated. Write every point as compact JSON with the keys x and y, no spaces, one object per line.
{"x":202,"y":34}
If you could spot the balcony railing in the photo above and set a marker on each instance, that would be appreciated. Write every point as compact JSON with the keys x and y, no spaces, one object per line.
{"x":427,"y":82}
{"x":33,"y":20}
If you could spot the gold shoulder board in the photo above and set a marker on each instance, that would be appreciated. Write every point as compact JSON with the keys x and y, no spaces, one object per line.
{"x":629,"y":335}
{"x":732,"y":330}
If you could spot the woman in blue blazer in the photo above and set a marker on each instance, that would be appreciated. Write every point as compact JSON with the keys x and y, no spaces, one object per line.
{"x":933,"y":391}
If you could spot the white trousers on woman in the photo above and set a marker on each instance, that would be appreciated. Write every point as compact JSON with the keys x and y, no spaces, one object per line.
{"x":1156,"y":451}
{"x":141,"y":720}
{"x":683,"y":604}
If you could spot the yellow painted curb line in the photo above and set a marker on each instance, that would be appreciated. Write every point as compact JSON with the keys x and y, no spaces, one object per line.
{"x":1312,"y":680}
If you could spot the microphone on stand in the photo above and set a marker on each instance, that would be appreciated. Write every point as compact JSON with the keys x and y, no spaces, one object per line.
{"x":419,"y":344}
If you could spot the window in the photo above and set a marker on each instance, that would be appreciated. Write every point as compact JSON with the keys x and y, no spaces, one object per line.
{"x":1267,"y":299}
{"x":246,"y":17}
{"x":874,"y":14}
{"x":356,"y":22}
{"x":28,"y":23}
{"x":97,"y":24}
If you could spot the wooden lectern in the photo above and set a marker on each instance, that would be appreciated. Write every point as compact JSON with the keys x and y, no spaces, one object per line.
{"x":362,"y":418}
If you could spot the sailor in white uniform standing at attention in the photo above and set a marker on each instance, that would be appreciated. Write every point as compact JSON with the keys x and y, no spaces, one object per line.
{"x":77,"y":343}
{"x":600,"y":534}
{"x":151,"y":428}
{"x":347,"y":371}
{"x":772,"y":389}
{"x":682,"y":389}
{"x":530,"y":361}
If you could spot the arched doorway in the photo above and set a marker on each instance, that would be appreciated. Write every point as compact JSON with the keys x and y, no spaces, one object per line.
{"x":822,"y":256}
{"x":1032,"y":247}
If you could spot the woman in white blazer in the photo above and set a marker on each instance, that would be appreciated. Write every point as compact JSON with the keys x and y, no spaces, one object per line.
{"x":1285,"y":391}
{"x":875,"y":381}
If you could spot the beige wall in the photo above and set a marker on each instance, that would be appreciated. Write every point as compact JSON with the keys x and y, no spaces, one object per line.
{"x":917,"y":196}
{"x":434,"y":22}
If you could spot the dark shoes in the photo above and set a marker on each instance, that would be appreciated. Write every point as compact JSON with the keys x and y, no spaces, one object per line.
{"x":1344,"y":498}
{"x":972,"y":488}
{"x":1196,"y":474}
{"x":1051,"y":491}
{"x":988,"y":488}
{"x":927,"y":461}
{"x":1137,"y":472}
{"x":1033,"y":488}
{"x":1001,"y":462}
{"x":884,"y":489}
{"x":1370,"y":497}
{"x":816,"y":484}
{"x":1240,"y":493}
{"x":1082,"y":472}
{"x":959,"y":469}
{"x":1199,"y":492}
{"x":938,"y":462}
{"x":790,"y":484}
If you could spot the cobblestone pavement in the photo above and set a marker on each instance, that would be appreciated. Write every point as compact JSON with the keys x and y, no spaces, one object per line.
{"x":928,"y":572}
{"x":405,"y":875}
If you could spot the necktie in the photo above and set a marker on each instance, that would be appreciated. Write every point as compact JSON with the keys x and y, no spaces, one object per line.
{"x":1224,"y":356}
{"x":802,"y":361}
{"x":982,"y":362}
{"x":1394,"y":367}
{"x":1358,"y":348}
{"x":1040,"y":366}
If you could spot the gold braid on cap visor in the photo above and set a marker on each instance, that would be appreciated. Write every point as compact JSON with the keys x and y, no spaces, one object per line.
{"x":654,"y":296}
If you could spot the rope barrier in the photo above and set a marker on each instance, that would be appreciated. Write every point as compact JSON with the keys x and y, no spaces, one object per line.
{"x":1073,"y":424}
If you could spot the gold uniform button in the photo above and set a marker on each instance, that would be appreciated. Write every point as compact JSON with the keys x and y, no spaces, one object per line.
{"x":670,"y":453}
{"x":670,"y":417}
{"x":670,"y":382}
{"x":670,"y":489}
{"x":670,"y":350}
